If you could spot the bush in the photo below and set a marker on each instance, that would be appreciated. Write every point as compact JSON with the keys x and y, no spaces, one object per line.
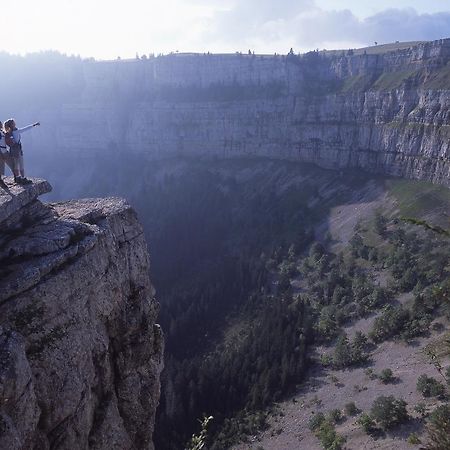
{"x":439,"y":429}
{"x":389,"y":411}
{"x":326,"y":360}
{"x":328,"y":437}
{"x":316,"y":421}
{"x":351,"y":409}
{"x":413,"y":439}
{"x":370,"y":374}
{"x":421,"y":409}
{"x":380,"y":223}
{"x":389,"y":324}
{"x":386,"y":376}
{"x":430,"y":387}
{"x":335,"y":415}
{"x":346,"y":354}
{"x":342,"y":356}
{"x":367,"y":423}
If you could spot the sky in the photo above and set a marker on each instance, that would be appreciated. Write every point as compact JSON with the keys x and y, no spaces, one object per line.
{"x":107,"y":29}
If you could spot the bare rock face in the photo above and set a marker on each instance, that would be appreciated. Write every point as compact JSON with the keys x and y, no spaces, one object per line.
{"x":385,"y":111}
{"x":80,"y":352}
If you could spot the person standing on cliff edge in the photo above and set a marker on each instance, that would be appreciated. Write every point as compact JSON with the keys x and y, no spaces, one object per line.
{"x":13,"y":140}
{"x":5,"y":157}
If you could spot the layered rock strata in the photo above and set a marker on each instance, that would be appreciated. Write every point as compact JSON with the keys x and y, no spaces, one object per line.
{"x":80,"y":350}
{"x":385,"y":110}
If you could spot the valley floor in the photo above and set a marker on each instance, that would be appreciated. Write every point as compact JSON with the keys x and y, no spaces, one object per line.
{"x":332,"y":389}
{"x":326,"y":389}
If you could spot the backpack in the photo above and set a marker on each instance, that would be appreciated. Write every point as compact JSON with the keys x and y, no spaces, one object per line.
{"x":10,"y":142}
{"x":15,"y":147}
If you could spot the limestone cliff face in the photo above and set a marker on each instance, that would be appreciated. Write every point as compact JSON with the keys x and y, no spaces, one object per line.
{"x":80,"y":352}
{"x":386,"y":111}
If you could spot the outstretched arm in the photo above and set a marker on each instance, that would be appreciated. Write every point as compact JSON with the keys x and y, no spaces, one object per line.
{"x":28,"y":127}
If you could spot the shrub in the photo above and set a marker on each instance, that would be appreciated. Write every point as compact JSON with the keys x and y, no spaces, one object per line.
{"x":328,"y":437}
{"x":421,"y":409}
{"x":316,"y":421}
{"x":389,"y":411}
{"x":380,"y":223}
{"x":367,"y":423}
{"x":342,"y":356}
{"x":346,"y":354}
{"x":370,"y":374}
{"x":389,"y":324}
{"x":386,"y":376}
{"x":335,"y":415}
{"x":197,"y":442}
{"x":326,"y":360}
{"x":430,"y":387}
{"x":439,"y":428}
{"x":413,"y":439}
{"x":351,"y":409}
{"x":360,"y":341}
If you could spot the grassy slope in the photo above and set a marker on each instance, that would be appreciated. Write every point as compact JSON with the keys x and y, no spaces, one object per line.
{"x":421,"y":200}
{"x":377,"y":49}
{"x":330,"y":389}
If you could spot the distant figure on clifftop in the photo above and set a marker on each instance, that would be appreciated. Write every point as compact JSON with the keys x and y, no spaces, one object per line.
{"x":5,"y":157}
{"x":13,"y":140}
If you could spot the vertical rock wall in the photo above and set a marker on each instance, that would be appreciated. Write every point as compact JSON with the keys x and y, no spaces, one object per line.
{"x":80,"y":350}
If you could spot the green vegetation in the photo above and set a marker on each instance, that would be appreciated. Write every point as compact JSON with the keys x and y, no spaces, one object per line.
{"x":198,"y":442}
{"x":351,"y":409}
{"x":316,"y":421}
{"x":413,"y":439}
{"x":420,"y":198}
{"x":439,"y":79}
{"x":386,"y":376}
{"x":430,"y":387}
{"x":367,"y":423}
{"x":348,"y":354}
{"x":388,"y":323}
{"x":335,"y":416}
{"x":324,"y":430}
{"x":378,"y":49}
{"x":239,"y":428}
{"x":389,"y":412}
{"x":237,"y":328}
{"x":393,"y":80}
{"x":357,"y":83}
{"x":438,"y":429}
{"x":421,"y":409}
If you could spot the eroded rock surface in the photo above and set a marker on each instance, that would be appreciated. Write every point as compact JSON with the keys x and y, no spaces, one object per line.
{"x":385,"y":111}
{"x":80,"y":351}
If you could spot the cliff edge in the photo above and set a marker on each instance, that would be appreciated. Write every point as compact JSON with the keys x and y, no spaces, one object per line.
{"x":80,"y":352}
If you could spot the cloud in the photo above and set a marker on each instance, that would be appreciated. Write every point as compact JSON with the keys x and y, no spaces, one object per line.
{"x":277,"y":26}
{"x":249,"y":20}
{"x":146,"y":26}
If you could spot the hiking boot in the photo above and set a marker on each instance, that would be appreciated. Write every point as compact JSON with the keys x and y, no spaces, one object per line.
{"x":26,"y":181}
{"x":19,"y":180}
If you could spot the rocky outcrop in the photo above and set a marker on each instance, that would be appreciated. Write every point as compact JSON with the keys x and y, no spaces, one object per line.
{"x":80,"y":352}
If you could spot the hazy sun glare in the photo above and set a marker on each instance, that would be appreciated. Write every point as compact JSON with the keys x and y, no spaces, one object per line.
{"x":107,"y":29}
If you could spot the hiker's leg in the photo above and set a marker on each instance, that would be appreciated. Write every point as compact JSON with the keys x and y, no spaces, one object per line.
{"x":2,"y":171}
{"x":15,"y":164}
{"x":2,"y":165}
{"x":21,"y":166}
{"x":9,"y":162}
